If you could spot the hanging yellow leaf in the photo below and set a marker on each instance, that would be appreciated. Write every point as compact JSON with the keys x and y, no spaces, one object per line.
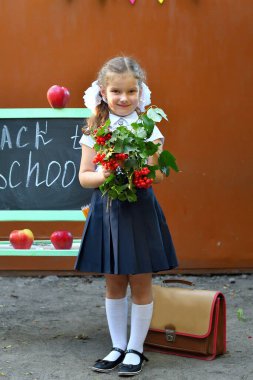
{"x":161,"y":1}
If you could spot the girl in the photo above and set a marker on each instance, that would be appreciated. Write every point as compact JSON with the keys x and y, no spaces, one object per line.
{"x":126,"y":242}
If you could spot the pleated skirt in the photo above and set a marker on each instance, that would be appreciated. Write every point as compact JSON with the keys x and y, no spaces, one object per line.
{"x":126,"y":238}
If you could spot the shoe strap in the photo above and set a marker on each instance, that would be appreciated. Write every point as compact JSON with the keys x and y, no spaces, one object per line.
{"x":130,"y":351}
{"x":118,"y":350}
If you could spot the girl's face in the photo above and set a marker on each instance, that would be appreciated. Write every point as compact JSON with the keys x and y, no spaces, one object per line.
{"x":122,"y":93}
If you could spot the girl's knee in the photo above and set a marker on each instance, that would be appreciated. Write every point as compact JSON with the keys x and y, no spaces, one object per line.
{"x":141,"y":288}
{"x":116,"y":286}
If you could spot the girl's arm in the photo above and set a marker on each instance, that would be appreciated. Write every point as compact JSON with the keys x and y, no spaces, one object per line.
{"x":88,"y":176}
{"x":153,"y":160}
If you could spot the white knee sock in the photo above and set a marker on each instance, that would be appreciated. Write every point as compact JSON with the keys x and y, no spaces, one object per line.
{"x":116,"y":312}
{"x":140,"y":321}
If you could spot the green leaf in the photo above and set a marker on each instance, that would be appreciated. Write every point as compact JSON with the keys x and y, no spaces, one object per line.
{"x":112,"y":193}
{"x":127,"y":148}
{"x":131,"y":163}
{"x":123,"y":187}
{"x":166,"y":159}
{"x":152,"y":169}
{"x":131,"y":196}
{"x":144,"y":155}
{"x":159,"y":111}
{"x":135,"y":126}
{"x":141,"y":133}
{"x":107,"y":123}
{"x":139,"y":145}
{"x":153,"y":115}
{"x":151,"y":148}
{"x":139,"y":130}
{"x":148,"y":124}
{"x":123,"y":132}
{"x":240,"y":314}
{"x":156,"y":114}
{"x":103,"y":130}
{"x":122,"y":197}
{"x":109,"y":179}
{"x":118,"y":147}
{"x":165,"y":170}
{"x":113,"y":138}
{"x":97,"y":147}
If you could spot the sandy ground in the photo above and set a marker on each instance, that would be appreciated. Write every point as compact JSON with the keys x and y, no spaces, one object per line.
{"x":55,"y":328}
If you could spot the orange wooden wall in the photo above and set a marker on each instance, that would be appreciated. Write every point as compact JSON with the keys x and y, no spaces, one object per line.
{"x":198,"y":55}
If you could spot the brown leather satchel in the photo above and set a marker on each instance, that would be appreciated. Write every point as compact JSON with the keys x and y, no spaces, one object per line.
{"x":187,"y":322}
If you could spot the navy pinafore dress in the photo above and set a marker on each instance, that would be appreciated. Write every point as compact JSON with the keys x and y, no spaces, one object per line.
{"x":126,"y":238}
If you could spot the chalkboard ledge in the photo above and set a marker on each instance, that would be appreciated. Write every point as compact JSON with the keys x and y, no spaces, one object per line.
{"x":42,"y":215}
{"x":40,"y":248}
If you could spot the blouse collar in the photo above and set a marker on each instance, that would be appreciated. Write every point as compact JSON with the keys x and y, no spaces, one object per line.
{"x":117,"y":120}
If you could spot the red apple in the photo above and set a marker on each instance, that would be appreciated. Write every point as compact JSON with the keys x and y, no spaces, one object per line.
{"x":21,"y":239}
{"x":61,"y":239}
{"x":58,"y":96}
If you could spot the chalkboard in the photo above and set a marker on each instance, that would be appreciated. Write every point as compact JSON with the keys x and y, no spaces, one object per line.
{"x":39,"y":159}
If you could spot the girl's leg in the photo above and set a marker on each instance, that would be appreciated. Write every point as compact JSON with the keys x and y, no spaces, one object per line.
{"x":142,"y":309}
{"x":116,"y":312}
{"x":116,"y":285}
{"x":141,"y":288}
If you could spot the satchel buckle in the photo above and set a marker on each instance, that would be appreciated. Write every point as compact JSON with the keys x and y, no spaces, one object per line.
{"x":170,"y":335}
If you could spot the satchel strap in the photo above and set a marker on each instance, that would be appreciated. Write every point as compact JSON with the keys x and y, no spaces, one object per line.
{"x":178,"y":281}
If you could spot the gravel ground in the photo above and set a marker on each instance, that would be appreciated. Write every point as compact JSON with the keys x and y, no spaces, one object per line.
{"x":55,"y":328}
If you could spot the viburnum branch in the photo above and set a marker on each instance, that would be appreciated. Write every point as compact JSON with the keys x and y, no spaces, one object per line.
{"x":126,"y":154}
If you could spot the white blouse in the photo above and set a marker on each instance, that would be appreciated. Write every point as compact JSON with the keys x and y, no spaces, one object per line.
{"x":117,"y":121}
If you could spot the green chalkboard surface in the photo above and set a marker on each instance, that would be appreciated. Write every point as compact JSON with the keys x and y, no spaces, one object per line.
{"x":39,"y":159}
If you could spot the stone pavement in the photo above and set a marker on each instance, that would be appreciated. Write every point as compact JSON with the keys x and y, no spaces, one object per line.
{"x":55,"y":328}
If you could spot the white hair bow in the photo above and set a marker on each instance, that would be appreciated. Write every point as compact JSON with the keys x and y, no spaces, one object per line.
{"x":92,"y":97}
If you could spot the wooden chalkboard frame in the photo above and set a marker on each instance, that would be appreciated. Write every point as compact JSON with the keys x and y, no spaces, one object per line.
{"x":58,"y":260}
{"x":31,"y":113}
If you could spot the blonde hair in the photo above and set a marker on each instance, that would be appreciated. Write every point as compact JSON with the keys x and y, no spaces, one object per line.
{"x":117,"y":65}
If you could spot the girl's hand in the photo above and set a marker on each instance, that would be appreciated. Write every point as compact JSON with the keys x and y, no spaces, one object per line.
{"x":106,"y":173}
{"x":88,"y":176}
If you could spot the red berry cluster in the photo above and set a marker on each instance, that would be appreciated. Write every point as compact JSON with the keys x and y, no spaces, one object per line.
{"x":101,"y":140}
{"x":141,"y":180}
{"x":115,"y":162}
{"x":112,"y":164}
{"x":99,"y":158}
{"x":121,"y":156}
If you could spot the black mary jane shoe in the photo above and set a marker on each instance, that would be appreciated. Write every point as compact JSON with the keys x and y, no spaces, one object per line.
{"x":132,"y":369}
{"x":106,"y":365}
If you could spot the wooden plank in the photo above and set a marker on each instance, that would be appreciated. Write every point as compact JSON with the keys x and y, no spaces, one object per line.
{"x":41,"y":263}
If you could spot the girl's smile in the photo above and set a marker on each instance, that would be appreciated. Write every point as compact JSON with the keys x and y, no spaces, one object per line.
{"x":122,"y":93}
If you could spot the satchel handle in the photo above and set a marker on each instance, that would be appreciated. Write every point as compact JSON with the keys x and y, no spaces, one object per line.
{"x":178,"y":281}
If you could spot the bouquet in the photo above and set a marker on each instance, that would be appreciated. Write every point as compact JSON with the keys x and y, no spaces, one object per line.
{"x":125,"y":153}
